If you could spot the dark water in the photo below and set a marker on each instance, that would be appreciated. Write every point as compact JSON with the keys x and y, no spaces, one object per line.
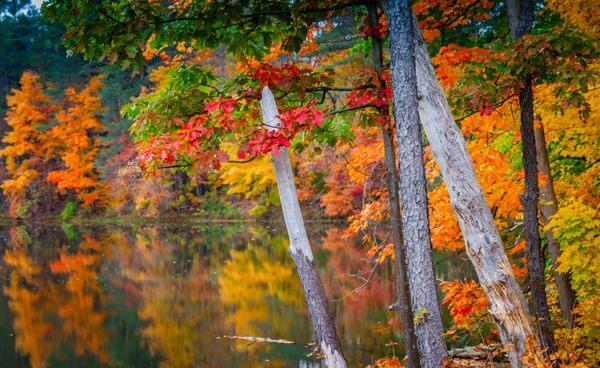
{"x":165,"y":296}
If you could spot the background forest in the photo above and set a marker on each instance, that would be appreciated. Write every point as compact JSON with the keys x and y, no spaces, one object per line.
{"x":149,"y":110}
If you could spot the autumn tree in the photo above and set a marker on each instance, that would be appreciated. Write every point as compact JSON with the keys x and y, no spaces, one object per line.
{"x":28,"y":148}
{"x":520,"y":24}
{"x":415,"y":217}
{"x":76,"y":138}
{"x":52,"y":142}
{"x":403,"y":304}
{"x":494,"y":83}
{"x":104,"y":30}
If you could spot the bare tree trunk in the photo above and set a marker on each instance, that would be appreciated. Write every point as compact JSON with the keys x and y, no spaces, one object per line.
{"x":402,"y":305}
{"x":413,"y":191}
{"x":483,"y":243}
{"x":512,"y":9}
{"x":530,"y":199}
{"x":549,"y":206}
{"x":314,"y":293}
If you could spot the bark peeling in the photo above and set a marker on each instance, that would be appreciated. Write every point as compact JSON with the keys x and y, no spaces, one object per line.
{"x":483,"y":242}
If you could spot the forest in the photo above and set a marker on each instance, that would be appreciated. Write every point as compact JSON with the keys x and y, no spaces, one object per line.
{"x":299,"y":183}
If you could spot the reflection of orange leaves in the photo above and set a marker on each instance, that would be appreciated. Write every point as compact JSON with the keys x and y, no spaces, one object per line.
{"x":333,"y":240}
{"x":20,"y":260}
{"x":77,"y":306}
{"x":466,"y":301}
{"x":72,"y":263}
{"x":34,"y":332}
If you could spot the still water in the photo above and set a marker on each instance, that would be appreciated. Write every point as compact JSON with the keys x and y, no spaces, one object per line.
{"x":169,"y":296}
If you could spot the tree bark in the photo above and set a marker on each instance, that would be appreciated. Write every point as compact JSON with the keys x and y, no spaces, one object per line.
{"x":530,"y":199}
{"x":549,"y":207}
{"x":483,"y":243}
{"x":402,"y":305}
{"x":314,"y":293}
{"x":535,"y":257}
{"x":413,"y":191}
{"x":512,"y":9}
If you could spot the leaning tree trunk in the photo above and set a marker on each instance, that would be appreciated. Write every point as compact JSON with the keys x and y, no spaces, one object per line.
{"x":530,"y":199}
{"x":402,"y":305}
{"x":413,"y":190}
{"x":314,"y":293}
{"x":483,"y":243}
{"x":549,"y":207}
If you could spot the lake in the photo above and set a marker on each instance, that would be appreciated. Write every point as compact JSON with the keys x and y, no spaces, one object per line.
{"x":174,"y":296}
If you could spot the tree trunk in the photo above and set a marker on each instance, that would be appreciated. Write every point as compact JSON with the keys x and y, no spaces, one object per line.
{"x":535,"y":256}
{"x":402,"y":305}
{"x":413,"y":191}
{"x":549,"y":206}
{"x":512,"y":9}
{"x":483,"y":243}
{"x":314,"y":293}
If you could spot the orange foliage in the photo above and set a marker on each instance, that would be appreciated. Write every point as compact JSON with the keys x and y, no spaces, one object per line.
{"x":27,"y":145}
{"x":63,"y":153}
{"x":466,"y":301}
{"x":437,"y":15}
{"x":77,"y":122}
{"x":82,"y":321}
{"x":449,"y":59}
{"x":49,"y":312}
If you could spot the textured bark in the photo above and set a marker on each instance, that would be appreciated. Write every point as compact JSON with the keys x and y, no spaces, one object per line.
{"x":512,"y":9}
{"x":402,"y":305}
{"x":413,"y":192}
{"x":549,"y":206}
{"x":535,"y":257}
{"x":530,"y":199}
{"x":314,"y":293}
{"x":483,"y":243}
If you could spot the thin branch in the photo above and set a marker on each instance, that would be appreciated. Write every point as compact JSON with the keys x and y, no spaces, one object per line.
{"x":497,"y":105}
{"x":268,"y":13}
{"x":341,"y":89}
{"x":352,"y":109}
{"x":242,"y":161}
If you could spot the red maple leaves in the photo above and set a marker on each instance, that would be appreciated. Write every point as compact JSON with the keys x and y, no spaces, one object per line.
{"x":232,"y":118}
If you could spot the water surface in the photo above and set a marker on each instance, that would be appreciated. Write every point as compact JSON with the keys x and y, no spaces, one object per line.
{"x":167,"y":296}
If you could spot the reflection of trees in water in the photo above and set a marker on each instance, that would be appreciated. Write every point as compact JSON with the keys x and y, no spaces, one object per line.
{"x":261,"y":288}
{"x":361,"y":293}
{"x":56,"y":300}
{"x":108,"y":300}
{"x":28,"y":301}
{"x":262,"y":294}
{"x":177,"y":304}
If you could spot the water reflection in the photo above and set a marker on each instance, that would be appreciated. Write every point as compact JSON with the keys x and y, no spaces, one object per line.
{"x":165,"y":296}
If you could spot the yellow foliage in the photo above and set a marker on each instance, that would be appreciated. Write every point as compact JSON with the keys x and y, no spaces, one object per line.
{"x":251,"y":279}
{"x":249,"y":180}
{"x":583,"y":13}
